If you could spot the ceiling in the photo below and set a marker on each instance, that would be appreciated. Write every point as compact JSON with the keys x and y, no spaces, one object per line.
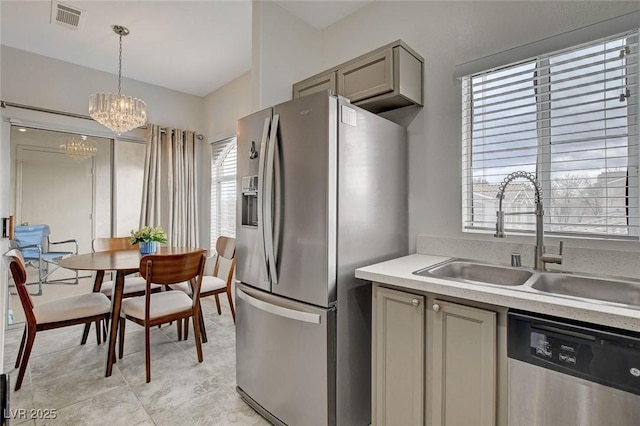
{"x":212,"y":39}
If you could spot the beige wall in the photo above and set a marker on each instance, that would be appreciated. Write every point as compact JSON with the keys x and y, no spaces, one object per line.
{"x":222,"y":109}
{"x":446,"y":34}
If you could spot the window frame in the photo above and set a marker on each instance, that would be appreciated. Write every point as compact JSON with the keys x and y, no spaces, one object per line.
{"x":544,"y":144}
{"x":229,"y":145}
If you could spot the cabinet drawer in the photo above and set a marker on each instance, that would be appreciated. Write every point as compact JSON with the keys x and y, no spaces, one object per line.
{"x":368,"y":77}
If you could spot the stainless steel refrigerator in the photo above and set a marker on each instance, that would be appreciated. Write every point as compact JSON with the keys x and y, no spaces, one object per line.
{"x":322,"y":190}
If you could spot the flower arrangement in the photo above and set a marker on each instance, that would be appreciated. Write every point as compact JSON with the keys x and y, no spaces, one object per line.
{"x":148,"y":234}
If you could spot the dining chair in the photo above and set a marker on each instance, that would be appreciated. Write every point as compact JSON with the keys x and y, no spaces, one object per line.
{"x":133,"y":286}
{"x":82,"y":309}
{"x":214,"y":282}
{"x":159,"y":308}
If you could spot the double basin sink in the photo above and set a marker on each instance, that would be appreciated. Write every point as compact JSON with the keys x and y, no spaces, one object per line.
{"x":608,"y":290}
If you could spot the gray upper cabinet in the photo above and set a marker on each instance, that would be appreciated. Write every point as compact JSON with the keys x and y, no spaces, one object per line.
{"x":318,"y":83}
{"x":387,"y":78}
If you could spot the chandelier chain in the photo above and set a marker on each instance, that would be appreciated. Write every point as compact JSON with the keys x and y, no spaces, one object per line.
{"x":120,"y":66}
{"x":119,"y":113}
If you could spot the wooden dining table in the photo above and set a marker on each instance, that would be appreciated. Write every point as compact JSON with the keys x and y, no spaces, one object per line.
{"x":123,"y":262}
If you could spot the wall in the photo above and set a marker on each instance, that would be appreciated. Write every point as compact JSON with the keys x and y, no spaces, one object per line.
{"x":285,"y":50}
{"x":445,"y":34}
{"x":222,"y":109}
{"x":36,"y":80}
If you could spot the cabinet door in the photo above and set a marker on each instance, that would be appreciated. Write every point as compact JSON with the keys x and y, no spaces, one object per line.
{"x":464,"y":365}
{"x":315,"y":84}
{"x":398,"y":358}
{"x":368,"y":77}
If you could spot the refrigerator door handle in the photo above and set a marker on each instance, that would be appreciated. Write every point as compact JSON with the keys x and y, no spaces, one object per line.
{"x":261,"y":180}
{"x":268,"y":204}
{"x":279,"y":310}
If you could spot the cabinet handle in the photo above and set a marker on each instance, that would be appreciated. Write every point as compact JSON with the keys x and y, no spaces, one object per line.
{"x":415,"y":302}
{"x":436,"y":307}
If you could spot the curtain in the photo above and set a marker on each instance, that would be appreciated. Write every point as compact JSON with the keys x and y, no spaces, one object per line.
{"x":169,"y":196}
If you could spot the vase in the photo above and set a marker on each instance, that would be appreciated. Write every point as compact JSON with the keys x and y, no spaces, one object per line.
{"x":148,"y":247}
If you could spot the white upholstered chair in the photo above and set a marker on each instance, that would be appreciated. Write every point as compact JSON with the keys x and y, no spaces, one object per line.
{"x":82,"y":309}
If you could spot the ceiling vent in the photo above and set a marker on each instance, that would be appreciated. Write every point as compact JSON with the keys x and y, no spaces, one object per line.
{"x":66,"y":15}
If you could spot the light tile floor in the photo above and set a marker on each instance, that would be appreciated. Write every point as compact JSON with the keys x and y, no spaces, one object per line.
{"x":69,"y":378}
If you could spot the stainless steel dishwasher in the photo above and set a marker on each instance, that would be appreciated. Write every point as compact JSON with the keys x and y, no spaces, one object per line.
{"x":564,"y":372}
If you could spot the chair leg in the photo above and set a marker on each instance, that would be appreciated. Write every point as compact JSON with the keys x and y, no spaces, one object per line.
{"x":31,"y":337}
{"x":203,"y":330}
{"x":99,"y":332}
{"x":24,"y":338}
{"x":233,"y":311}
{"x":147,"y":351}
{"x":196,"y":333}
{"x":179,"y":327}
{"x":185,"y":333}
{"x":85,"y":333}
{"x":121,"y":323}
{"x":218,"y":304}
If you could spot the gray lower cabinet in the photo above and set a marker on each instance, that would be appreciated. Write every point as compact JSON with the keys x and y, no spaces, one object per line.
{"x":434,"y":362}
{"x":398,"y":358}
{"x":463,"y":355}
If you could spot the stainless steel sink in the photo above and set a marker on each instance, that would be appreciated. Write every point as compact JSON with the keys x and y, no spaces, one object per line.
{"x":594,"y":288}
{"x":476,"y":272}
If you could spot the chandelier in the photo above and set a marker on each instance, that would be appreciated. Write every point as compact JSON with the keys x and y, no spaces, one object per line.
{"x":120,"y":113}
{"x":79,"y":148}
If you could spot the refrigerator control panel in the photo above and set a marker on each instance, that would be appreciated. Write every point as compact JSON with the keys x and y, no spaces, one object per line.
{"x":249,"y":185}
{"x":250,"y":200}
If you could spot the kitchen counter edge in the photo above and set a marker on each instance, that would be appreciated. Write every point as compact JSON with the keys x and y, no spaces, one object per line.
{"x":399,"y":274}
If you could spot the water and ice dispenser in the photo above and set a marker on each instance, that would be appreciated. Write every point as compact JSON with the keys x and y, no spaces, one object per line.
{"x":250,"y":200}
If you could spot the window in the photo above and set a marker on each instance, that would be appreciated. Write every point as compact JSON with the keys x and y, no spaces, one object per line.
{"x":223,"y":189}
{"x":571,"y":119}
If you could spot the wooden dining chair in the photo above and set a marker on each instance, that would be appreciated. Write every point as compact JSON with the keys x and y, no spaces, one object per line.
{"x":214,"y":282}
{"x":133,"y":286}
{"x":159,"y":308}
{"x":82,"y":309}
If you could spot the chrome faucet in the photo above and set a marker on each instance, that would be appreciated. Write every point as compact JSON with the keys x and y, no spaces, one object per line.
{"x":541,"y":257}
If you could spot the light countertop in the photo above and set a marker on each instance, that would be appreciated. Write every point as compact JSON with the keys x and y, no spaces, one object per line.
{"x":399,"y":273}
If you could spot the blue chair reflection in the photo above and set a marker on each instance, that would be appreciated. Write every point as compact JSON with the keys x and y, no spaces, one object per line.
{"x":34,"y":243}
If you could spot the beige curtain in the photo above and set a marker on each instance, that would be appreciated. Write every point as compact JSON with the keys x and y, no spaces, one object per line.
{"x":170,"y":185}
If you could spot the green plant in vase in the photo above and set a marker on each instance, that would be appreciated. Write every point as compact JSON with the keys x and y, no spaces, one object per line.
{"x":148,"y":238}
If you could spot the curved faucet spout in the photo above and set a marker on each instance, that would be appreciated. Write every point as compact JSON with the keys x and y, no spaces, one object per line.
{"x":540,"y":255}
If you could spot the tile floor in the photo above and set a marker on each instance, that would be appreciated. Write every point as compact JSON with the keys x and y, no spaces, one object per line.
{"x":69,"y":378}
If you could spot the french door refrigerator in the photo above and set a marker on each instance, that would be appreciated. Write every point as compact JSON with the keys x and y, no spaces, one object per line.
{"x":322,"y":190}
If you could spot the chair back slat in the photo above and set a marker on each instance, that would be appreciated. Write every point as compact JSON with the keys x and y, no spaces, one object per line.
{"x":115,"y":243}
{"x":19,"y":274}
{"x":172,"y":268}
{"x":226,"y":247}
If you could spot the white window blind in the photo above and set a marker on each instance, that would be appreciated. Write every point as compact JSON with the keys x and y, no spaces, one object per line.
{"x":570,"y":118}
{"x":223,"y":189}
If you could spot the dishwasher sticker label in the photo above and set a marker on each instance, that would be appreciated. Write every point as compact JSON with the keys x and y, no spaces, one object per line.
{"x":635,"y":372}
{"x":540,"y":345}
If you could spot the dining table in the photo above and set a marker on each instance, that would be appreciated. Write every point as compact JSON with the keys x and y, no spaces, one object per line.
{"x":123,"y":262}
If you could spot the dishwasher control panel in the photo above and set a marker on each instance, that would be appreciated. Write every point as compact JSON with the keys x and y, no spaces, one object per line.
{"x":600,"y":354}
